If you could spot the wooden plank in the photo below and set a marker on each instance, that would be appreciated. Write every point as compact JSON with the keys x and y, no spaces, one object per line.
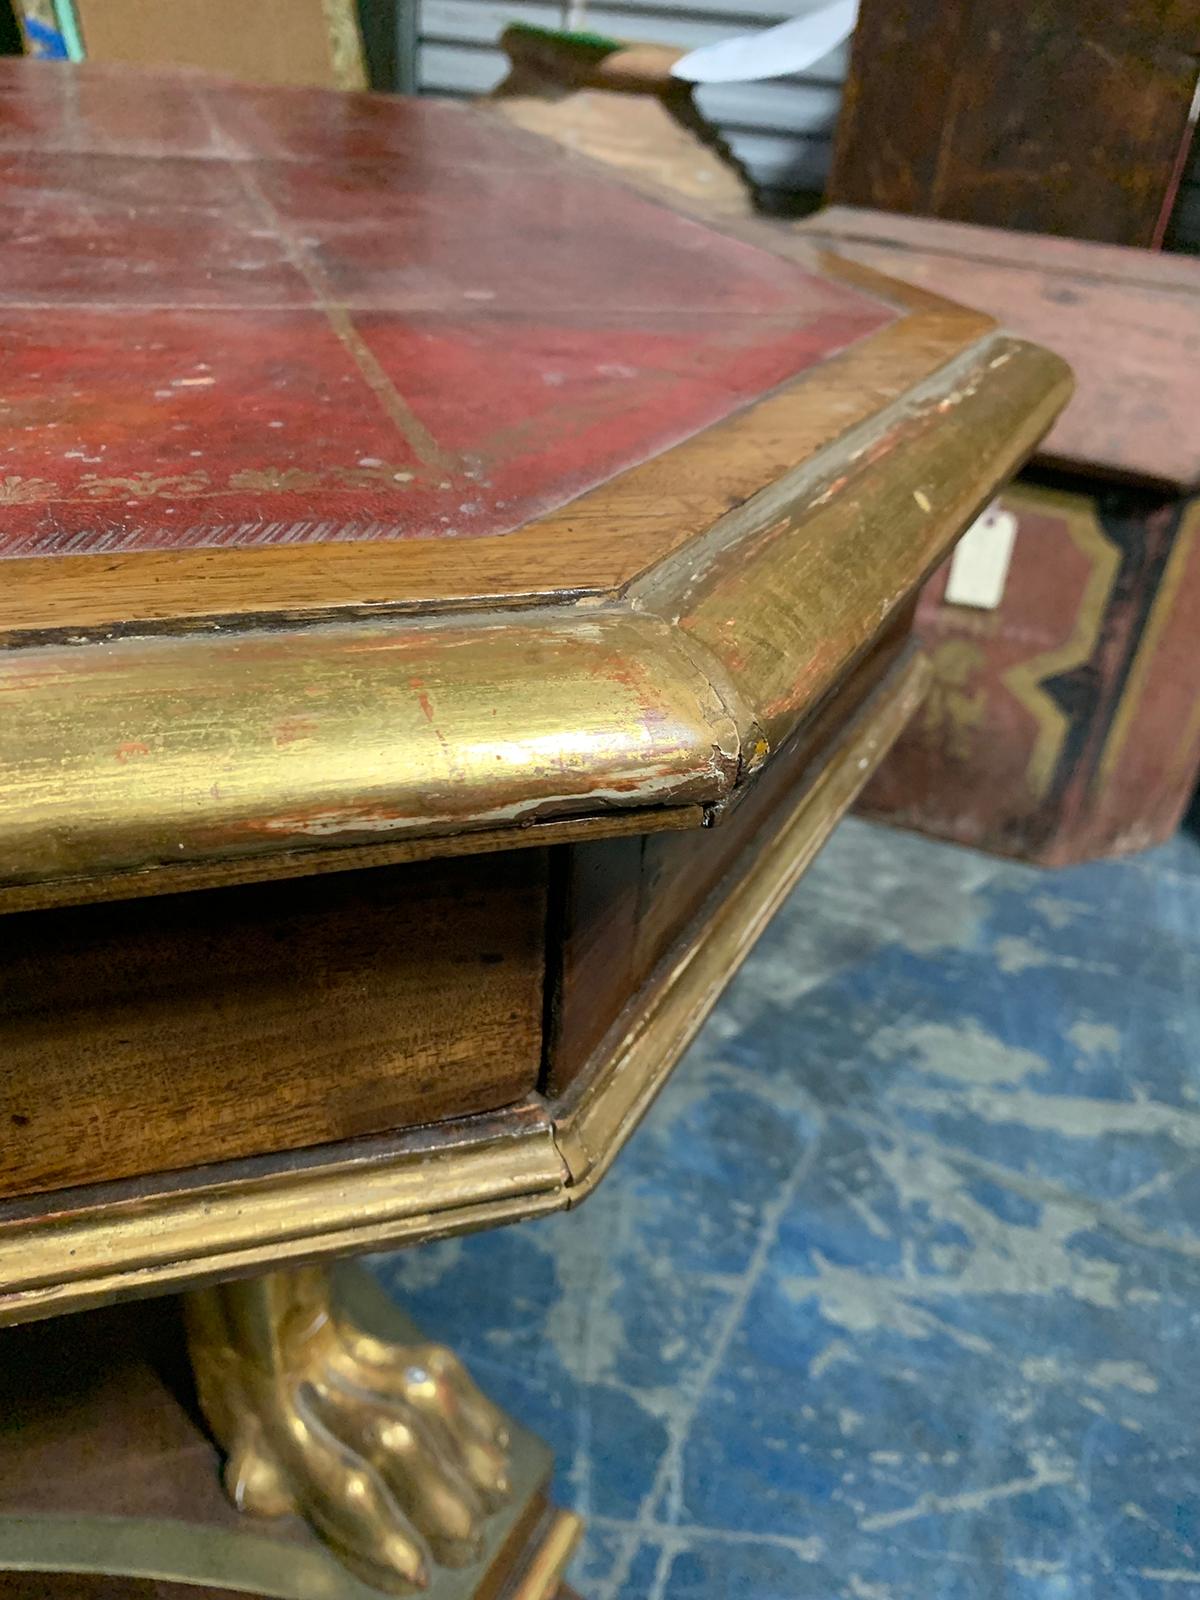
{"x":273,"y":41}
{"x":153,"y":753}
{"x":1127,"y":321}
{"x":1064,"y":118}
{"x":157,"y":1035}
{"x":1080,"y":259}
{"x":175,"y":877}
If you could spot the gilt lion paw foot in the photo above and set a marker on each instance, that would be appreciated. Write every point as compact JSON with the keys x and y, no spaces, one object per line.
{"x":388,"y":1451}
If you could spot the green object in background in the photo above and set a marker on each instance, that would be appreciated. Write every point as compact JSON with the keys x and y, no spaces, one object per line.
{"x":50,"y":30}
{"x":593,"y":43}
{"x":68,"y":25}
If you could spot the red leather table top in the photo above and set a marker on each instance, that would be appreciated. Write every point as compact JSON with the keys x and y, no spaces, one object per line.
{"x":236,"y":317}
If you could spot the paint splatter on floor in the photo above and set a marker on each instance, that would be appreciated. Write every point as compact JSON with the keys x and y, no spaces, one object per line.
{"x":896,"y":1294}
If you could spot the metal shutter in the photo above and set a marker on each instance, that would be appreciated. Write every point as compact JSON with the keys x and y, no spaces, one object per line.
{"x":782,"y":130}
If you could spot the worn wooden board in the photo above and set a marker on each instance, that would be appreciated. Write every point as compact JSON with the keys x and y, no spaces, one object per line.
{"x":273,"y":41}
{"x":1127,"y":321}
{"x":155,"y":1035}
{"x":1065,"y":118}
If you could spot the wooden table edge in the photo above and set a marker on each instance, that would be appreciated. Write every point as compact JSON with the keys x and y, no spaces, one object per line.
{"x":373,"y":733}
{"x":72,"y":1249}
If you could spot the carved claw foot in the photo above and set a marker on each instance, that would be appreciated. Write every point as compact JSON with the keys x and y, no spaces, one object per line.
{"x":388,"y":1451}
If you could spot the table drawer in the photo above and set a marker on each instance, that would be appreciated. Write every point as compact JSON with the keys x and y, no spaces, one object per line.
{"x":158,"y":1034}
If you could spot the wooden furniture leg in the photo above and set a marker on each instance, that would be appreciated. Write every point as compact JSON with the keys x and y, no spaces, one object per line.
{"x":336,"y":1419}
{"x":388,"y":1450}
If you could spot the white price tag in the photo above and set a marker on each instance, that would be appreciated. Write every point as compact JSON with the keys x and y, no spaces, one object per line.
{"x":979,"y":566}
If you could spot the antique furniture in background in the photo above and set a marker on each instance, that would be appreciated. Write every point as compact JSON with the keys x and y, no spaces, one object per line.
{"x":1069,"y":119}
{"x":619,"y":104}
{"x":448,"y":598}
{"x":1064,"y":722}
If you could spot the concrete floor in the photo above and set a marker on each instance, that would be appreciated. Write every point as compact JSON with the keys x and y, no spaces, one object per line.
{"x":896,"y":1294}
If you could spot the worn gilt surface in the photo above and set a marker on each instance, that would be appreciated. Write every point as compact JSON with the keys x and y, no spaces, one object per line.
{"x":388,"y":1449}
{"x":382,"y":367}
{"x":696,"y":477}
{"x":412,"y":482}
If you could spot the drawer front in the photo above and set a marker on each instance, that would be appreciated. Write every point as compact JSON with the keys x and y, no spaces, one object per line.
{"x":155,"y":1035}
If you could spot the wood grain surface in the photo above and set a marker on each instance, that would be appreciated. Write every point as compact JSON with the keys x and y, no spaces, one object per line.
{"x":161,"y":1034}
{"x":1066,"y":118}
{"x":89,"y":1245}
{"x":1127,"y":321}
{"x":622,"y":904}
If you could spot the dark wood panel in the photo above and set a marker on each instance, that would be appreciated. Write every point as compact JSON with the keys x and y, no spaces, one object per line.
{"x":624,"y":903}
{"x":1066,"y":117}
{"x":968,"y":243}
{"x":161,"y":1034}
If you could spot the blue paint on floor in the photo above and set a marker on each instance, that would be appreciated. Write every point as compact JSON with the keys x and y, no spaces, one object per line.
{"x":896,"y":1293}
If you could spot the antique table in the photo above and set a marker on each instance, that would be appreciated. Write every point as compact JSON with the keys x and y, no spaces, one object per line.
{"x":447,"y":599}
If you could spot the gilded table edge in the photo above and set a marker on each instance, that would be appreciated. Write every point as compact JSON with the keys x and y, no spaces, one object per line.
{"x":648,"y":701}
{"x":121,"y":1242}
